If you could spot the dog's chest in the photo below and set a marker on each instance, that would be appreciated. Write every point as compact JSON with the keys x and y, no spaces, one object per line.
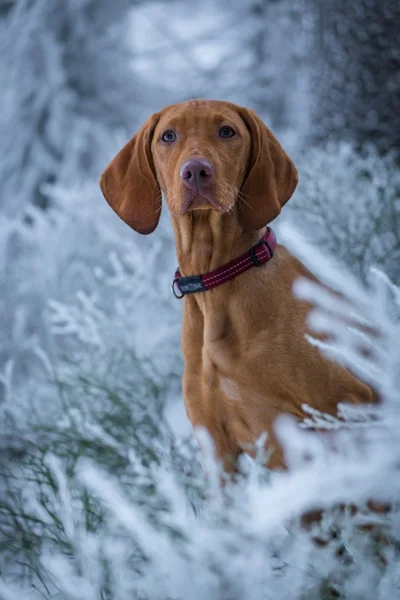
{"x":219,"y":344}
{"x":219,"y":348}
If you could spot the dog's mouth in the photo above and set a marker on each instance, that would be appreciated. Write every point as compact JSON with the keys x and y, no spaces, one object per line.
{"x":201,"y":202}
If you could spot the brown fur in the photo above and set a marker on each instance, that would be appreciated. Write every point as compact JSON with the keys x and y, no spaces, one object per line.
{"x":246,"y":356}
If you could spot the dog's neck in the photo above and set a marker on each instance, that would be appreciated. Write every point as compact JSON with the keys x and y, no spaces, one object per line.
{"x":206,"y":240}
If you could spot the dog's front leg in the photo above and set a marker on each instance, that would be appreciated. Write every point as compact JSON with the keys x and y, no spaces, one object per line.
{"x":206,"y":413}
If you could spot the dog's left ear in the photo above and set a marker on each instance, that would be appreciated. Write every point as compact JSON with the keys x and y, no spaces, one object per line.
{"x":271,"y":177}
{"x":129,"y":183}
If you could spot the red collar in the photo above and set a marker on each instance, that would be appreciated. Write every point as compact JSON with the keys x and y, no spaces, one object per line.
{"x":256,"y":256}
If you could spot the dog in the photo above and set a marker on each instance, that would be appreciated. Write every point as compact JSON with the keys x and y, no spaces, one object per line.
{"x":225,"y":177}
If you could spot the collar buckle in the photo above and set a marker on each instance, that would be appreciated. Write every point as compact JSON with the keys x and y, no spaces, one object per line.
{"x":252,"y":252}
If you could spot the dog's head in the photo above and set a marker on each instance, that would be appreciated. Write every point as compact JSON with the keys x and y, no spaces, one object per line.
{"x":204,"y":155}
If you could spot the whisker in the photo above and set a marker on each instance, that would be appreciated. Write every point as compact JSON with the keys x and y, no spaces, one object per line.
{"x":241,"y":198}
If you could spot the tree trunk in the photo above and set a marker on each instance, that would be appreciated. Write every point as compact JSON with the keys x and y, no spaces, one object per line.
{"x":356,"y":79}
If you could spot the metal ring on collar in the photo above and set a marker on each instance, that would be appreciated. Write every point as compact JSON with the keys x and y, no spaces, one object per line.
{"x":174,"y":287}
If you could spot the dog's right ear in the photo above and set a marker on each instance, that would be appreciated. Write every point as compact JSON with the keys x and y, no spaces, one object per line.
{"x":129,"y":183}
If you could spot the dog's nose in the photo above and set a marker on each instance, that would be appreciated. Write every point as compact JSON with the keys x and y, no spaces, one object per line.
{"x":197,"y":173}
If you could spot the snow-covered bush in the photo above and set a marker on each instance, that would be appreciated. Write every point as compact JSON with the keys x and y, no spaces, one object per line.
{"x":66,"y":85}
{"x":349,"y":204}
{"x":76,"y":274}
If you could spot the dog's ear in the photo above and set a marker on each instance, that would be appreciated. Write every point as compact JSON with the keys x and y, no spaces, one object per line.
{"x":129,"y":183}
{"x":271,"y":177}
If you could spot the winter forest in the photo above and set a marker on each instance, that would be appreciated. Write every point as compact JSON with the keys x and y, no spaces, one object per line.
{"x":103,"y":493}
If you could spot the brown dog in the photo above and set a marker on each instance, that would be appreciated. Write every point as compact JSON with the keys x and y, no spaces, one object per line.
{"x":225,"y":177}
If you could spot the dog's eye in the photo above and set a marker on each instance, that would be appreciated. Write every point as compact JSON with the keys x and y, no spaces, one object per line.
{"x":168,"y":136}
{"x":226,"y":132}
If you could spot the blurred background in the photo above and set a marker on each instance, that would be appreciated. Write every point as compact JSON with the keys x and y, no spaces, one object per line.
{"x":90,"y":360}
